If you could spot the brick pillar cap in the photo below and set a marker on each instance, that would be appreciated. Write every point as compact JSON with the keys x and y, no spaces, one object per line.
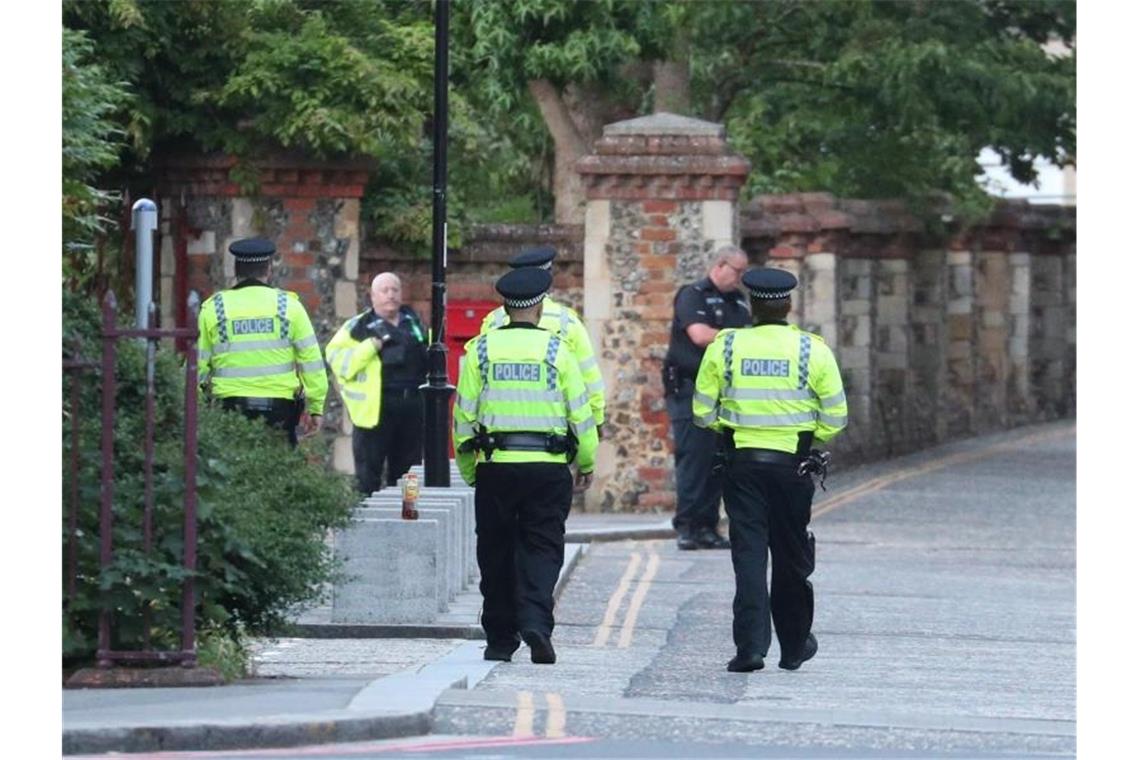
{"x":664,"y":124}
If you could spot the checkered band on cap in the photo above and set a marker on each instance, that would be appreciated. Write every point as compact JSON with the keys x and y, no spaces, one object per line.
{"x":770,"y":295}
{"x":516,"y":303}
{"x":253,"y":250}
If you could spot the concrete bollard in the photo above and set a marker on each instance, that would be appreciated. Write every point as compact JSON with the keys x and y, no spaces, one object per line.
{"x":392,"y":571}
{"x":449,"y":566}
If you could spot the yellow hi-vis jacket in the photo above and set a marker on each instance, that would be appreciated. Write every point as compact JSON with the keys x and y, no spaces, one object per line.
{"x":521,"y":379}
{"x":257,"y":341}
{"x":358,"y":371}
{"x":767,"y":384}
{"x":567,"y":325}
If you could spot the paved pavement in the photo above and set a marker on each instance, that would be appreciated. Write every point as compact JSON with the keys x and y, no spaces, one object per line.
{"x":945,"y":614}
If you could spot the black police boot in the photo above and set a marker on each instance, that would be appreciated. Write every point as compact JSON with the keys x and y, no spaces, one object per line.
{"x":686,"y":542}
{"x":541,"y":650}
{"x":811,"y":646}
{"x":710,"y":539}
{"x":502,"y":654}
{"x":745,"y":663}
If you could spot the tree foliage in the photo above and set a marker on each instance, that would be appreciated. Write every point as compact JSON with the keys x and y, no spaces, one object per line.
{"x":92,"y":141}
{"x":870,"y":98}
{"x":859,"y":97}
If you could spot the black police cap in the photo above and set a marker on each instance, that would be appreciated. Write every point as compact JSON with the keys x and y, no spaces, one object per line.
{"x":252,"y":250}
{"x":542,"y":257}
{"x":769,"y":284}
{"x":522,"y":288}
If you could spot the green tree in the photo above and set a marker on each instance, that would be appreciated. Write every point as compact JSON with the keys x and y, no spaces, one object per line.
{"x":92,"y":141}
{"x":859,"y":97}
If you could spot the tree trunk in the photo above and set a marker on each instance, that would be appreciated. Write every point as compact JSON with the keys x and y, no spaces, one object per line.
{"x":569,"y":146}
{"x":671,"y":87}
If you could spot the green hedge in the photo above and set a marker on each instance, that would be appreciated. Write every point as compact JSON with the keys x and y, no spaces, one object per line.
{"x":263,"y":509}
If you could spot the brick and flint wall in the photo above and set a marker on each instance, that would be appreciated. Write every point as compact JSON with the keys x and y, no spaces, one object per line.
{"x":936,"y":337}
{"x":309,"y":208}
{"x":661,"y":197}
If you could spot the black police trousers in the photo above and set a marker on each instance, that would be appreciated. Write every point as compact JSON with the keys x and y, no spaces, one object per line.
{"x":282,"y":414}
{"x":520,"y":527}
{"x":694,"y":449}
{"x":397,"y":440}
{"x":769,"y":508}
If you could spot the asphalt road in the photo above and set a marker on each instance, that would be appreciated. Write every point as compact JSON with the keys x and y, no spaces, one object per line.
{"x":945,"y":613}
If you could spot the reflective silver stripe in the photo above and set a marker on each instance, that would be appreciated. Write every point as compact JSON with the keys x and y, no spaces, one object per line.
{"x":579,"y":402}
{"x":499,"y":318}
{"x":587,"y":365}
{"x":464,"y":428}
{"x":767,"y":420}
{"x":314,"y":366}
{"x":706,"y":400}
{"x":203,"y":357}
{"x":354,"y":395}
{"x":252,"y":345}
{"x":305,"y":342}
{"x":704,"y":420}
{"x":344,"y":364}
{"x":769,"y":394}
{"x":838,"y":398}
{"x":469,"y":405}
{"x":273,"y":369}
{"x":564,"y":325}
{"x":523,"y":422}
{"x":520,"y":394}
{"x":832,"y":420}
{"x":582,"y":427}
{"x":595,"y":387}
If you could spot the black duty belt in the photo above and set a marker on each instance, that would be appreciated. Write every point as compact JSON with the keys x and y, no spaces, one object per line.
{"x":258,"y":404}
{"x":766,"y":456}
{"x":549,"y":442}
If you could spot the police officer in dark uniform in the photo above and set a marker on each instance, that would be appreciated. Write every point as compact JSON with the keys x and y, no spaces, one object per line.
{"x":700,"y":311}
{"x":774,"y":391}
{"x":398,"y":440}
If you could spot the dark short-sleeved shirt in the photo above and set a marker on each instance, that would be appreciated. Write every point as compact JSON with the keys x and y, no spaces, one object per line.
{"x":702,"y":302}
{"x":405,"y":356}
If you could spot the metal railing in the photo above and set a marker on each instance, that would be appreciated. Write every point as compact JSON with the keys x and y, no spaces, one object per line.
{"x":111,"y":334}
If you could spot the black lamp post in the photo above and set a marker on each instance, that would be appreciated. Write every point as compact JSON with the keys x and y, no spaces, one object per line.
{"x":437,"y":392}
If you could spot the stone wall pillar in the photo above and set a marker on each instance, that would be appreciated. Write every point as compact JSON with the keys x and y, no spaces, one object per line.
{"x":661,"y":197}
{"x":928,"y":346}
{"x":1020,"y":398}
{"x":853,"y":348}
{"x":958,"y":407}
{"x":309,"y":208}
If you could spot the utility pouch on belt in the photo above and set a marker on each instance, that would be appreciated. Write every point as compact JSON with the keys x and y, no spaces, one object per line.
{"x":803,"y":443}
{"x":671,"y":379}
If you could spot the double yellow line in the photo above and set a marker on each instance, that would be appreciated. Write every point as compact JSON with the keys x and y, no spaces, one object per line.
{"x":625,"y":636}
{"x":555,"y":716}
{"x":881,"y":482}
